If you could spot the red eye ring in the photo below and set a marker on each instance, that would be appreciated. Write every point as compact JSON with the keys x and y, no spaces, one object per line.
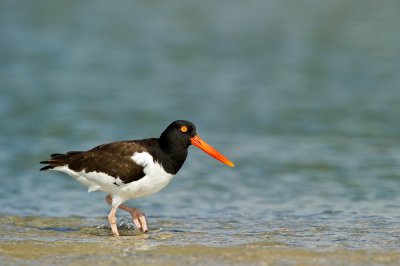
{"x":184,"y":129}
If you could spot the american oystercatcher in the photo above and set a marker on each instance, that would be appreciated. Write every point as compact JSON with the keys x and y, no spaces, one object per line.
{"x":133,"y":168}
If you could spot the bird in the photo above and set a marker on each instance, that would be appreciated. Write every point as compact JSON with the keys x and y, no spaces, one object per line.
{"x":132,"y":168}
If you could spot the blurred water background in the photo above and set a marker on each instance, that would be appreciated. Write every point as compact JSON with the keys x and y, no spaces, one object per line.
{"x":304,"y":96}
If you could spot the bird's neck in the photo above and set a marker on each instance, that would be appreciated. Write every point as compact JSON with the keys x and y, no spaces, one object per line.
{"x":174,"y":155}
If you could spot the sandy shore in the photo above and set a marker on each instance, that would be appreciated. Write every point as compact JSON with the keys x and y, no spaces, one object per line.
{"x":74,"y":241}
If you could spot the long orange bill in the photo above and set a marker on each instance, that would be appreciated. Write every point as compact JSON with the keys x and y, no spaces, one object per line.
{"x":201,"y":144}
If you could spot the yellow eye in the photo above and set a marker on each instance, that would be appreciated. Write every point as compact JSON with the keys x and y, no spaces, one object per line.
{"x":184,"y":129}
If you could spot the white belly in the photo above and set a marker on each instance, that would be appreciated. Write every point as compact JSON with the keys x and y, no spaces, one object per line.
{"x":154,"y":180}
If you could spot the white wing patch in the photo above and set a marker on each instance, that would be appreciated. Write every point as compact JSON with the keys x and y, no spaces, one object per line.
{"x":142,"y":158}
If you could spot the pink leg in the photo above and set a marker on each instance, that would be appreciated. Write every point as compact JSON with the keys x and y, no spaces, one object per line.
{"x":113,"y":221}
{"x":138,"y":217}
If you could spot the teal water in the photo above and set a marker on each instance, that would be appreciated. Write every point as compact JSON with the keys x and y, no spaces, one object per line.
{"x":303,"y":96}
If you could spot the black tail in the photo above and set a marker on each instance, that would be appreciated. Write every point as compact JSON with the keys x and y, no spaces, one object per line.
{"x":57,"y":159}
{"x":47,"y":167}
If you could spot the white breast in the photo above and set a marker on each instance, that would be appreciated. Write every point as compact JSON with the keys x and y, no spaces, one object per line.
{"x":154,"y":180}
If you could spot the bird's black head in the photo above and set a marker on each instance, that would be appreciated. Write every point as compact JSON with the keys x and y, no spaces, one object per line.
{"x":178,"y":135}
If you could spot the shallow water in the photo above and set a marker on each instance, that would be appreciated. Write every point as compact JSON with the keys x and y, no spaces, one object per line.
{"x":304,"y":98}
{"x":283,"y":240}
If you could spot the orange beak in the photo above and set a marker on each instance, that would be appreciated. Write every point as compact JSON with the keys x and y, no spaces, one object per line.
{"x":201,"y":144}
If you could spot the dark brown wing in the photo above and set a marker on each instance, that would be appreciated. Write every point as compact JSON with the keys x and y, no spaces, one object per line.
{"x":113,"y":159}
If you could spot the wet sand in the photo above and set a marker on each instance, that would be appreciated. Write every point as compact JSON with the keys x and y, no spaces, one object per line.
{"x":123,"y":252}
{"x":76,"y":241}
